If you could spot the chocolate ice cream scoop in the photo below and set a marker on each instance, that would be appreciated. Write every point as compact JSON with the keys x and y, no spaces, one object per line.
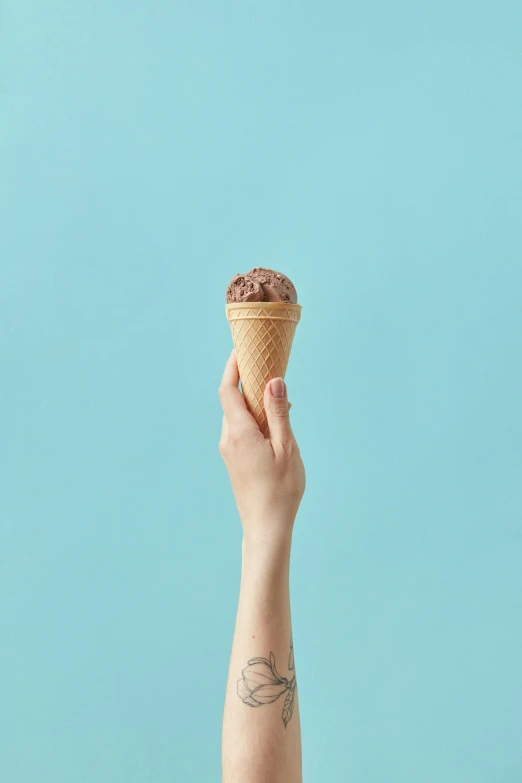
{"x":242,"y":288}
{"x":277,"y":287}
{"x":261,"y":285}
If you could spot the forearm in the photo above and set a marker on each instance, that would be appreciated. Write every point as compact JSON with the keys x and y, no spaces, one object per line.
{"x":261,"y":731}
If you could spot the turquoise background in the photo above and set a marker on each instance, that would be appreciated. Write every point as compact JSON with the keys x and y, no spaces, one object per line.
{"x":373,"y":152}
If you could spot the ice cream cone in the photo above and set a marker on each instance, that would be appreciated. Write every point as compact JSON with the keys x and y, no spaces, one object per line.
{"x":262,"y":333}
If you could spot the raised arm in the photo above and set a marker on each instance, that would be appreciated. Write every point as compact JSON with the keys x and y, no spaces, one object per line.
{"x":261,"y":730}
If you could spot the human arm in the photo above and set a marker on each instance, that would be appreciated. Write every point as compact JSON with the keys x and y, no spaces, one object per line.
{"x":261,"y":730}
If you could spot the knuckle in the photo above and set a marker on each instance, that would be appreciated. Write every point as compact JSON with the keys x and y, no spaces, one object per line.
{"x":280,"y":410}
{"x":239,"y":434}
{"x":290,"y":448}
{"x":236,"y":437}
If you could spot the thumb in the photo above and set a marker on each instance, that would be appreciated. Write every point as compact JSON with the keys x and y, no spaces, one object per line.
{"x":277,"y":410}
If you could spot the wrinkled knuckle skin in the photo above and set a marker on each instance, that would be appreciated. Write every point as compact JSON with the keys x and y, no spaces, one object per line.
{"x":281,"y":411}
{"x":289,"y":450}
{"x":289,"y":447}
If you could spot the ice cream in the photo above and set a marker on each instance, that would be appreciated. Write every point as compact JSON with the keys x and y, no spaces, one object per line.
{"x":263,"y":314}
{"x":261,"y":285}
{"x":244,"y":289}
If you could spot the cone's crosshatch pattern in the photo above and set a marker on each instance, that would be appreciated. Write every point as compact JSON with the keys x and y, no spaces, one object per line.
{"x":262,"y":333}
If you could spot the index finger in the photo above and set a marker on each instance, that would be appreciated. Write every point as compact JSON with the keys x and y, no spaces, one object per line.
{"x":232,"y":401}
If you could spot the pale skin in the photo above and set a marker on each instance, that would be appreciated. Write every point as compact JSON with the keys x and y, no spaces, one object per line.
{"x":261,"y":728}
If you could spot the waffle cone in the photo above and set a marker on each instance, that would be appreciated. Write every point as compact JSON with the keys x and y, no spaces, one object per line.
{"x":262,"y":333}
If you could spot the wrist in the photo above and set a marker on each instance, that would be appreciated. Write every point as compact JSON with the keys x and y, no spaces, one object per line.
{"x":265,"y":565}
{"x":267,"y":545}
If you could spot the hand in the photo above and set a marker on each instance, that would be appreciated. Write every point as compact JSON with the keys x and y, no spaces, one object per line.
{"x":267,"y":474}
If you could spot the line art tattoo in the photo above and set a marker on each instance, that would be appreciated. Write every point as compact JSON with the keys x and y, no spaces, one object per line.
{"x":261,"y":684}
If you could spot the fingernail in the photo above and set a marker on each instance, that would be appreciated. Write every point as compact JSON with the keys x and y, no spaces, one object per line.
{"x":277,"y":387}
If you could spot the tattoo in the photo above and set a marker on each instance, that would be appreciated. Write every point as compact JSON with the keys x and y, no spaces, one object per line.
{"x":261,"y":684}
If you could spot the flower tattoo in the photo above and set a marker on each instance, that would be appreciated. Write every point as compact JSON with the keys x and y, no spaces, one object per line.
{"x":261,"y":684}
